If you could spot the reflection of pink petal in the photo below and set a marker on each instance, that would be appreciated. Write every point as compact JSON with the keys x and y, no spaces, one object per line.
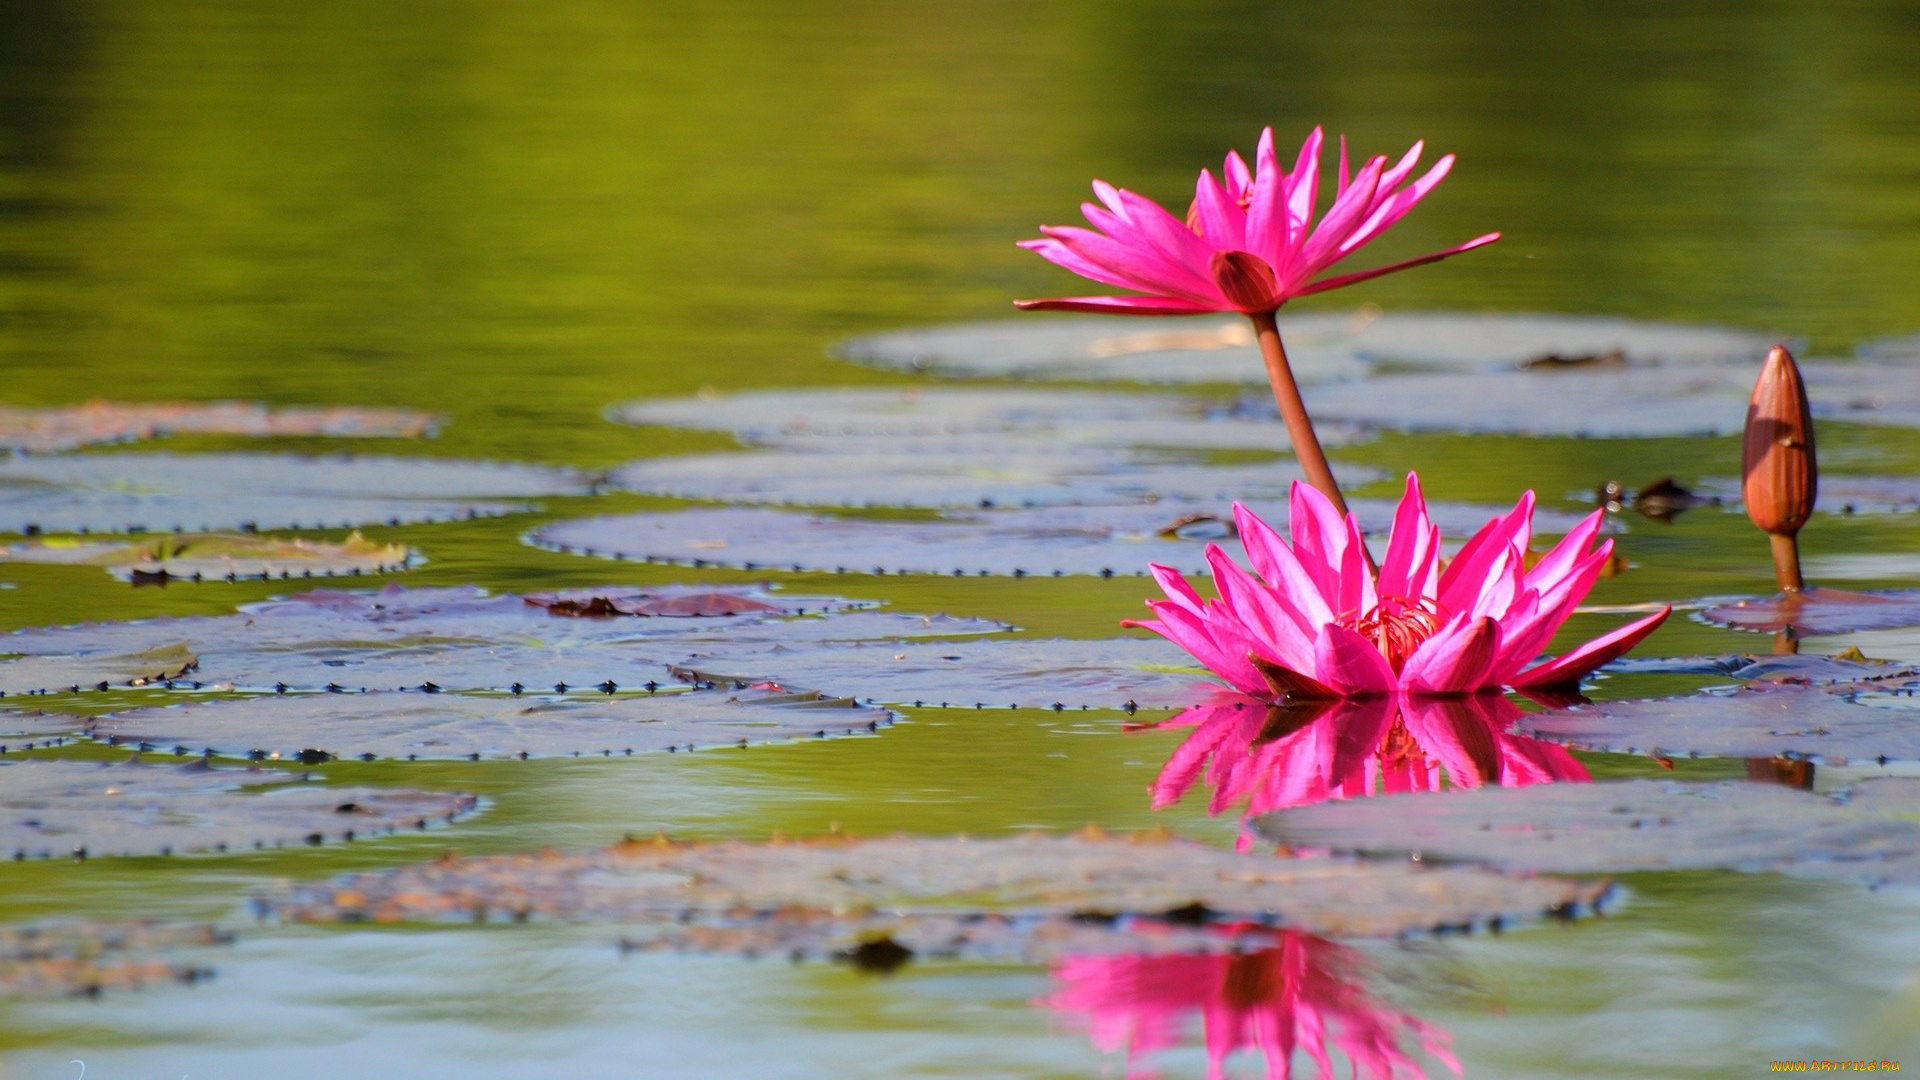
{"x":1303,"y":994}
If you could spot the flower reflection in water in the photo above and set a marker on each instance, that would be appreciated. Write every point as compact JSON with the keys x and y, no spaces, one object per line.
{"x":1303,"y":994}
{"x":1273,"y":756}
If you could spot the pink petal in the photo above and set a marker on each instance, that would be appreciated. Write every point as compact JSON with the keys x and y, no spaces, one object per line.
{"x":1134,"y":259}
{"x":1223,"y":225}
{"x":1266,"y":209}
{"x":1319,"y":539}
{"x":1322,"y":249}
{"x":1409,"y":546}
{"x":1454,"y":661}
{"x":1174,"y":584}
{"x":1186,"y":630}
{"x":1465,"y":578}
{"x":1303,"y":190}
{"x":1061,"y":255}
{"x":1120,"y":305}
{"x":1350,"y":664}
{"x":1555,"y":565}
{"x":1368,"y":275}
{"x":1527,"y":630}
{"x":1260,"y":610}
{"x":1235,"y":174}
{"x":1582,"y":661}
{"x":1389,"y":211}
{"x":1274,"y":560}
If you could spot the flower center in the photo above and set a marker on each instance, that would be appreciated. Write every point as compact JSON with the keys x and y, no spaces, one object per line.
{"x":1397,"y":626}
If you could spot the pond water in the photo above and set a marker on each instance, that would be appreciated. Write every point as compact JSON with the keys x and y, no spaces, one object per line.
{"x":516,"y":215}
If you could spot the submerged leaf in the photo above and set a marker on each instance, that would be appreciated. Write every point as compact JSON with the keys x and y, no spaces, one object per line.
{"x":1321,"y":348}
{"x":999,"y":471}
{"x":1865,"y":719}
{"x":216,"y":557}
{"x":1117,"y":673}
{"x":1632,"y":825}
{"x":212,"y":492}
{"x":63,"y":427}
{"x":1106,"y":541}
{"x":451,"y":638}
{"x":892,"y":882}
{"x":459,"y":726}
{"x":84,"y":809}
{"x":71,"y":958}
{"x":843,"y":415}
{"x":1820,"y":611}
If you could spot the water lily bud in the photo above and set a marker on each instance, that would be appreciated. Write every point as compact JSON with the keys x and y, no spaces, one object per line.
{"x":1779,"y":476}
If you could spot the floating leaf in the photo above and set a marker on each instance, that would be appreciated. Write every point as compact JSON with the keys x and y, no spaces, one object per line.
{"x":1817,"y":611}
{"x":83,"y":809}
{"x":604,"y":604}
{"x":1069,"y":417}
{"x":454,"y":638}
{"x":1632,"y":825}
{"x":1791,"y":667}
{"x":37,"y":723}
{"x":216,"y":557}
{"x":212,"y":492}
{"x":872,"y":473}
{"x":1040,"y":877}
{"x":63,"y":427}
{"x":1866,"y":719}
{"x":1050,"y":542}
{"x":412,"y":726}
{"x":82,"y":959}
{"x":1024,"y":673}
{"x":1320,"y":347}
{"x":170,"y":658}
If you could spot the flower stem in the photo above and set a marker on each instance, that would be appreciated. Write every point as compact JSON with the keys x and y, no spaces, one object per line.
{"x":1786,"y":561}
{"x":1286,"y":394}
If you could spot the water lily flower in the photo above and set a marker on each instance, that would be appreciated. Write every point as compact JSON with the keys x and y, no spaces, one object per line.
{"x":1249,"y":243}
{"x":1302,"y":994}
{"x":1267,"y":756}
{"x":1316,"y":620}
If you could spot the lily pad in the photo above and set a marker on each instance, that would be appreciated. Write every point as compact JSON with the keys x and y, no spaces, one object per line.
{"x":63,"y":427}
{"x":1058,"y":674}
{"x":1071,"y":417}
{"x":459,"y":726}
{"x":1632,"y":825}
{"x":1043,"y":878}
{"x":1107,"y":541}
{"x":875,"y":473}
{"x":1808,"y":668}
{"x":1819,"y":611}
{"x":84,"y":809}
{"x":452,"y":638}
{"x":1868,"y":719}
{"x":154,"y":658}
{"x":37,"y":723}
{"x":216,"y":557}
{"x":72,"y":958}
{"x":1321,"y":347}
{"x":214,"y":492}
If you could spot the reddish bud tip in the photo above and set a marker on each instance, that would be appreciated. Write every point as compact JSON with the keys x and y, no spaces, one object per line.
{"x":1779,"y":476}
{"x":1247,"y":281}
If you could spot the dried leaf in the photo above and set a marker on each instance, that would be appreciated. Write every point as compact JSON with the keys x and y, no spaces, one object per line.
{"x":216,"y":557}
{"x":85,"y":809}
{"x":896,"y":881}
{"x":212,"y":492}
{"x":412,"y":726}
{"x":72,"y":958}
{"x":1632,"y":825}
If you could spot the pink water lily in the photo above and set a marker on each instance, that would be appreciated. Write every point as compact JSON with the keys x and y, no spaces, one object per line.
{"x":1316,"y":620}
{"x":1249,"y":243}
